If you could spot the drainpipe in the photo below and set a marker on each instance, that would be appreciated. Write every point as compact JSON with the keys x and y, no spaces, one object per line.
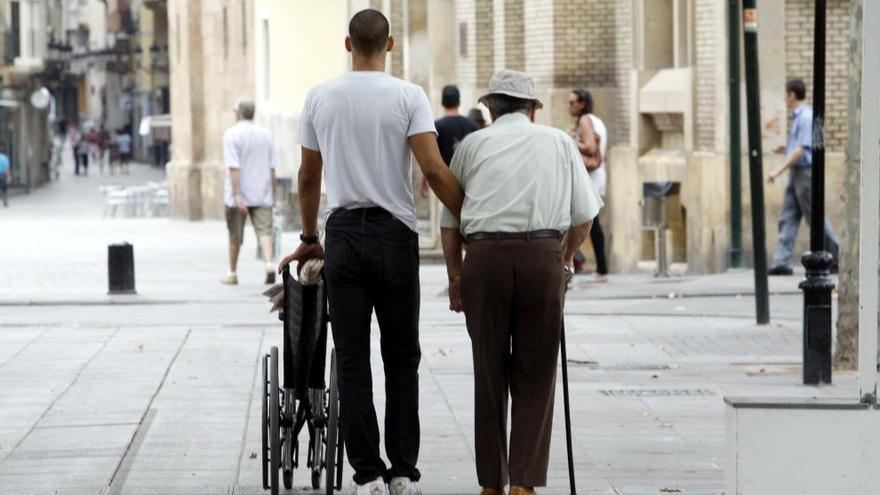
{"x":735,"y":145}
{"x":756,"y":173}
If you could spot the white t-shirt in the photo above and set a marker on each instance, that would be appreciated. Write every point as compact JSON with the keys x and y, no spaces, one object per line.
{"x":600,"y":175}
{"x":248,"y":147}
{"x":360,"y":123}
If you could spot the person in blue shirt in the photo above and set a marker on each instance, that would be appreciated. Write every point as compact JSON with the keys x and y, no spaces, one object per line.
{"x":5,"y":175}
{"x":798,"y":192}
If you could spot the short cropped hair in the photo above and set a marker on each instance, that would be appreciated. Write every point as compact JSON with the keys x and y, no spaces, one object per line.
{"x":245,"y":109}
{"x":451,"y":97}
{"x":368,"y":30}
{"x":797,"y":87}
{"x":503,"y":104}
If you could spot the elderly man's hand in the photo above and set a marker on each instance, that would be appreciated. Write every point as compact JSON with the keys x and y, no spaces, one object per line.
{"x":455,"y":294}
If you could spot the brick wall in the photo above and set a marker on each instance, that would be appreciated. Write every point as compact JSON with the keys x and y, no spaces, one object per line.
{"x":705,"y":79}
{"x":514,"y":35}
{"x":397,"y":18}
{"x":623,"y":57}
{"x":539,"y":35}
{"x":584,"y":42}
{"x":465,"y":64}
{"x":484,"y":25}
{"x":799,"y":60}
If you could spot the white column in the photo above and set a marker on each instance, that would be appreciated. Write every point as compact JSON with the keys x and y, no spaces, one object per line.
{"x":869,"y":214}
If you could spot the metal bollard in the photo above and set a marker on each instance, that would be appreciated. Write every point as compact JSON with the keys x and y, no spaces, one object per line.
{"x":120,"y":268}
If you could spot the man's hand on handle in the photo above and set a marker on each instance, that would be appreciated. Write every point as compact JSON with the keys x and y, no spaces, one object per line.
{"x":302,"y":254}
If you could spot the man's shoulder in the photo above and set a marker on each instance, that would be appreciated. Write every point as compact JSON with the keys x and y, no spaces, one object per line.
{"x":550,"y":132}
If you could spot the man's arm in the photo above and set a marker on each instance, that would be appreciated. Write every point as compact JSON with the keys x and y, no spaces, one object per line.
{"x":235,"y":177}
{"x":576,"y":236}
{"x":790,"y":162}
{"x":309,"y":190}
{"x":452,"y":253}
{"x":309,"y":187}
{"x":438,"y":175}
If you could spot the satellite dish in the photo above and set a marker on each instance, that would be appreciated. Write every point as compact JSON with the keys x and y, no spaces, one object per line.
{"x":41,"y":98}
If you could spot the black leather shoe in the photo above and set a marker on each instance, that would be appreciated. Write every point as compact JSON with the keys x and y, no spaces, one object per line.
{"x":780,"y":270}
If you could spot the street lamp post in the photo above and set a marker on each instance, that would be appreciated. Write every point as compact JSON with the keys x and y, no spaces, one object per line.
{"x":756,"y":174}
{"x":817,"y":286}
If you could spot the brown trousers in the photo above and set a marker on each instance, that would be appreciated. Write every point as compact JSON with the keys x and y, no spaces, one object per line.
{"x":512,"y":295}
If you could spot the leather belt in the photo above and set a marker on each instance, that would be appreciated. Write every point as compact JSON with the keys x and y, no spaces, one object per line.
{"x":514,"y":236}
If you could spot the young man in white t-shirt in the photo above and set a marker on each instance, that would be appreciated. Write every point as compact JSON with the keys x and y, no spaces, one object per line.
{"x":359,"y":129}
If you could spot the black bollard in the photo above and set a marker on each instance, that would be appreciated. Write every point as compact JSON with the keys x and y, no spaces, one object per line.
{"x":120,"y":267}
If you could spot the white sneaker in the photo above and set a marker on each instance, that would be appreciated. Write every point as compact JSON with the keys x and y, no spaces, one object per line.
{"x":404,"y":486}
{"x":375,"y":487}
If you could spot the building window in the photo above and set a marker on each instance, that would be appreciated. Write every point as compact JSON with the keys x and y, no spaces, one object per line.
{"x":266,"y":58}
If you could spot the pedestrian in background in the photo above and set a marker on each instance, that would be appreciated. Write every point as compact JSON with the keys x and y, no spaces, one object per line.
{"x":451,"y":128}
{"x":250,"y":160}
{"x":123,"y":142}
{"x":79,"y":147}
{"x":5,"y":175}
{"x":359,"y":130}
{"x":476,"y":116}
{"x":798,"y":192}
{"x":592,"y":140}
{"x":526,"y":189}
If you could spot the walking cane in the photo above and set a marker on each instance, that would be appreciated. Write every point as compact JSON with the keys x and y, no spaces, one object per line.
{"x":567,"y":412}
{"x":571,"y":481}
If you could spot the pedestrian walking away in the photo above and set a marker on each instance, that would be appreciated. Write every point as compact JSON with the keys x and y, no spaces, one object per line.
{"x":123,"y":141}
{"x":250,"y":160}
{"x":5,"y":176}
{"x":526,"y":189}
{"x":451,"y":128}
{"x":476,"y":116}
{"x":798,"y":192}
{"x":359,"y":130}
{"x":592,"y":140}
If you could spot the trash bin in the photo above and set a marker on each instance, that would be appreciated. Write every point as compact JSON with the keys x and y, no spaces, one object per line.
{"x":654,"y":218}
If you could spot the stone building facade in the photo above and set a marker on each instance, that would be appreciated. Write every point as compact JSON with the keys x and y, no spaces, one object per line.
{"x":658,"y":71}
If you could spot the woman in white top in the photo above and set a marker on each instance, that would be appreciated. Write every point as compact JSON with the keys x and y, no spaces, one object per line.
{"x":592,"y":139}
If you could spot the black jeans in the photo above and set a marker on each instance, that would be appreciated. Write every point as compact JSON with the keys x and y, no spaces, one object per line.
{"x":3,"y":190}
{"x":372,"y":263}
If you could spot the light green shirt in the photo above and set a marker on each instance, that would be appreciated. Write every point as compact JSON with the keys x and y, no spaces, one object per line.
{"x":520,"y":177}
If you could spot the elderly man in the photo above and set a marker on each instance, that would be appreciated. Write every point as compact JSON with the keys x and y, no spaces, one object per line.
{"x":250,"y":186}
{"x":528,"y":204}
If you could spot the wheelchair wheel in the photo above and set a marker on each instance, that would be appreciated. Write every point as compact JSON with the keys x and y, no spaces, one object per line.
{"x":264,"y":422}
{"x":334,"y":438}
{"x":274,"y":422}
{"x":317,"y":454}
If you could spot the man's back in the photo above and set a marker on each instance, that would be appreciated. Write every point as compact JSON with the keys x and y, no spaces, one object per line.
{"x":521,"y":177}
{"x":451,"y":130}
{"x":248,"y":147}
{"x":360,"y":122}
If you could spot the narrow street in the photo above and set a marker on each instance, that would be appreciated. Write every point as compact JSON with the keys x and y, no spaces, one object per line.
{"x":157,"y":393}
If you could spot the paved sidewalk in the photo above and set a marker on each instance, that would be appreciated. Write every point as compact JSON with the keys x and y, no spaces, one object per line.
{"x":157,"y":393}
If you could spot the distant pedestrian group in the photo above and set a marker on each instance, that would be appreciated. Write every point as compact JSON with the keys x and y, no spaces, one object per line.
{"x":100,"y":147}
